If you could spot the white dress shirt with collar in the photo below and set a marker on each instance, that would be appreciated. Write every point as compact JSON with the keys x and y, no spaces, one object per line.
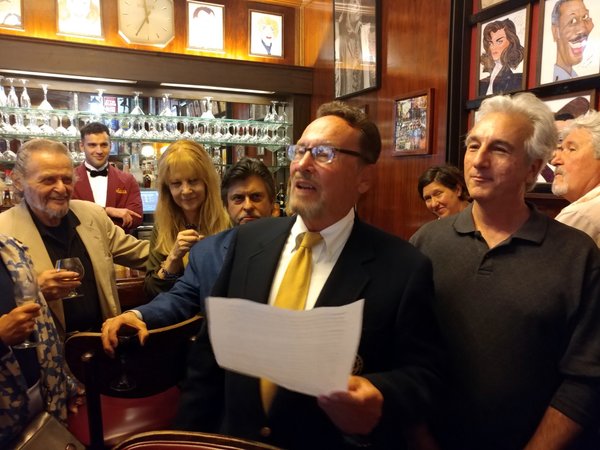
{"x":324,"y":255}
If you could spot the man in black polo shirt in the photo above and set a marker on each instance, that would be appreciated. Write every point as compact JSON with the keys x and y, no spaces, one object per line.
{"x":53,"y":226}
{"x":517,"y":297}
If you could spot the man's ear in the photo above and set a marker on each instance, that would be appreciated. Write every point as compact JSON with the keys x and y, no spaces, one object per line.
{"x":534,"y":169}
{"x":365,"y":178}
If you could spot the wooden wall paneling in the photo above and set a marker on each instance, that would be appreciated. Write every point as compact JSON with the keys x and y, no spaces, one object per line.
{"x":414,"y":57}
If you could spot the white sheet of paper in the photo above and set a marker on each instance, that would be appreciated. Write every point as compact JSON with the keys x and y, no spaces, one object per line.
{"x":311,"y":352}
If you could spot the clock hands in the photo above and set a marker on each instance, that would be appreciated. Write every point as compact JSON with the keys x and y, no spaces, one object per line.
{"x":147,"y":12}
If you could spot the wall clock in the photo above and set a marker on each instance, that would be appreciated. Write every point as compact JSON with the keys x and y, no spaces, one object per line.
{"x":148,"y":22}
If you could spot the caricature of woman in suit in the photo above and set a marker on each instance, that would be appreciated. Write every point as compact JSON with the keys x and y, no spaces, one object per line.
{"x":503,"y":53}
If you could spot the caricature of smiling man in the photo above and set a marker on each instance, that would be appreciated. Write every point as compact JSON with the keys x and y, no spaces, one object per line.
{"x":571,"y":26}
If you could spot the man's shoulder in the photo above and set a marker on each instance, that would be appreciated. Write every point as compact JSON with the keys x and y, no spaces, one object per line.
{"x":84,"y":207}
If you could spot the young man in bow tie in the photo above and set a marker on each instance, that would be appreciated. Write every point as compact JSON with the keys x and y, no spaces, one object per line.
{"x":101,"y":183}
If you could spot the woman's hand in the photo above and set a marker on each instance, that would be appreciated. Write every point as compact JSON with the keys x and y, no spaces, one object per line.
{"x":183,"y":244}
{"x":19,"y":323}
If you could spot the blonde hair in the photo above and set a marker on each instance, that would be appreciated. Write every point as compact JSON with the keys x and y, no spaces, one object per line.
{"x":169,"y":217}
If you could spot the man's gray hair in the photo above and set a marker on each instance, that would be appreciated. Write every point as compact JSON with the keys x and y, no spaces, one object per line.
{"x":590,"y":121}
{"x":542,"y":142}
{"x":555,"y":18}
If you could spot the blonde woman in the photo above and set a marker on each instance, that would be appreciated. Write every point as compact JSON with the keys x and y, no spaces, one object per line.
{"x":189,"y":208}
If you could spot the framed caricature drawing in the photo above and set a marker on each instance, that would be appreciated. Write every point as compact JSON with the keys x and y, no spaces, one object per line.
{"x":79,"y":18}
{"x":205,"y":26}
{"x":570,"y":43}
{"x":503,"y":53}
{"x":10,"y":14}
{"x":412,"y":124}
{"x":266,"y":34}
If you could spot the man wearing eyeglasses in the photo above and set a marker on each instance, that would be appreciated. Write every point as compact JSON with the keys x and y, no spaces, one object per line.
{"x":392,"y":386}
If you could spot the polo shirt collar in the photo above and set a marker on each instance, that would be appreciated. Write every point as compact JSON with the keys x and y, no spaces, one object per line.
{"x":534,"y":229}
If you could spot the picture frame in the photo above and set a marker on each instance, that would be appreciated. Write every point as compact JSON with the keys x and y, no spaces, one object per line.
{"x":560,"y":60}
{"x":205,"y":29}
{"x":266,"y":34}
{"x":412,"y":123}
{"x":11,"y":14}
{"x":502,"y":53}
{"x":79,"y":18}
{"x":565,"y":107}
{"x":356,"y":47}
{"x":483,"y":4}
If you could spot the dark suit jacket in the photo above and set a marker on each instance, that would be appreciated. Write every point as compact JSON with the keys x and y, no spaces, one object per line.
{"x":505,"y":81}
{"x":399,"y":347}
{"x":122,"y":192}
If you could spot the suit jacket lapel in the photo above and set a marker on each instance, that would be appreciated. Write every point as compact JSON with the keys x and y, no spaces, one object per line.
{"x":263,"y":249}
{"x":349,"y":275}
{"x":111,"y":188}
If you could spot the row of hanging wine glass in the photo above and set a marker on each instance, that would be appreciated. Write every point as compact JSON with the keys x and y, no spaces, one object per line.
{"x":31,"y":122}
{"x":276,"y":112}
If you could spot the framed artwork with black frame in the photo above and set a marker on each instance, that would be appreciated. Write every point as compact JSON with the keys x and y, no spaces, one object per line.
{"x":11,"y":14}
{"x":266,"y":34}
{"x":502,"y":50}
{"x":570,"y":43}
{"x":412,"y":124}
{"x":205,"y":26}
{"x":356,"y":46}
{"x":81,"y":18}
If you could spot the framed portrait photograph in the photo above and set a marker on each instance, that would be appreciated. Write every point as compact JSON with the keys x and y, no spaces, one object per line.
{"x":502,"y":53}
{"x":266,"y":34}
{"x":356,"y":46}
{"x":11,"y":15}
{"x":412,"y":124}
{"x":570,"y":43}
{"x":205,"y":26}
{"x":79,"y":18}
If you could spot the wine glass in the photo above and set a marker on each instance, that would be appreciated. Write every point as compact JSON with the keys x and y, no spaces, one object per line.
{"x":137,"y":110}
{"x":3,"y":98}
{"x":128,"y":341}
{"x":25,"y":100}
{"x":72,"y":265}
{"x":207,"y":107}
{"x":166,"y":105}
{"x":12,"y":101}
{"x":26,"y":291}
{"x":45,"y":105}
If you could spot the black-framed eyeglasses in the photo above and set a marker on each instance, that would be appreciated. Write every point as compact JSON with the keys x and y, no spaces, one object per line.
{"x":322,"y":154}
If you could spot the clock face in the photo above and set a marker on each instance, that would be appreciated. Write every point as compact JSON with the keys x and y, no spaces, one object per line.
{"x":148,"y":22}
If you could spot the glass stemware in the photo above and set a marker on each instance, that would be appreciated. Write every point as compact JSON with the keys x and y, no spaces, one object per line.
{"x":25,"y":100}
{"x":3,"y":98}
{"x":207,"y":108}
{"x":166,"y":106}
{"x":282,"y":117}
{"x":137,"y":110}
{"x":128,"y":341}
{"x":45,"y":105}
{"x":72,"y":265}
{"x":26,"y":291}
{"x":12,"y":101}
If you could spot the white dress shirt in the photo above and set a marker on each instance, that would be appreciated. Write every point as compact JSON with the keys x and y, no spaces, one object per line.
{"x":324,"y":255}
{"x":99,"y":185}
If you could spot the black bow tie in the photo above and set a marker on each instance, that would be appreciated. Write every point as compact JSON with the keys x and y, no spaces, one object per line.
{"x":98,"y":173}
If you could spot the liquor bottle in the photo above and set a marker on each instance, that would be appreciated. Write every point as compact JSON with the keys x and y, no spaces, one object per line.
{"x":280,"y":199}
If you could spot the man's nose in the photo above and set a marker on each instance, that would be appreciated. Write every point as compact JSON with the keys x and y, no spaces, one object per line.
{"x":556,"y":160}
{"x":247,"y":203}
{"x":306,"y":161}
